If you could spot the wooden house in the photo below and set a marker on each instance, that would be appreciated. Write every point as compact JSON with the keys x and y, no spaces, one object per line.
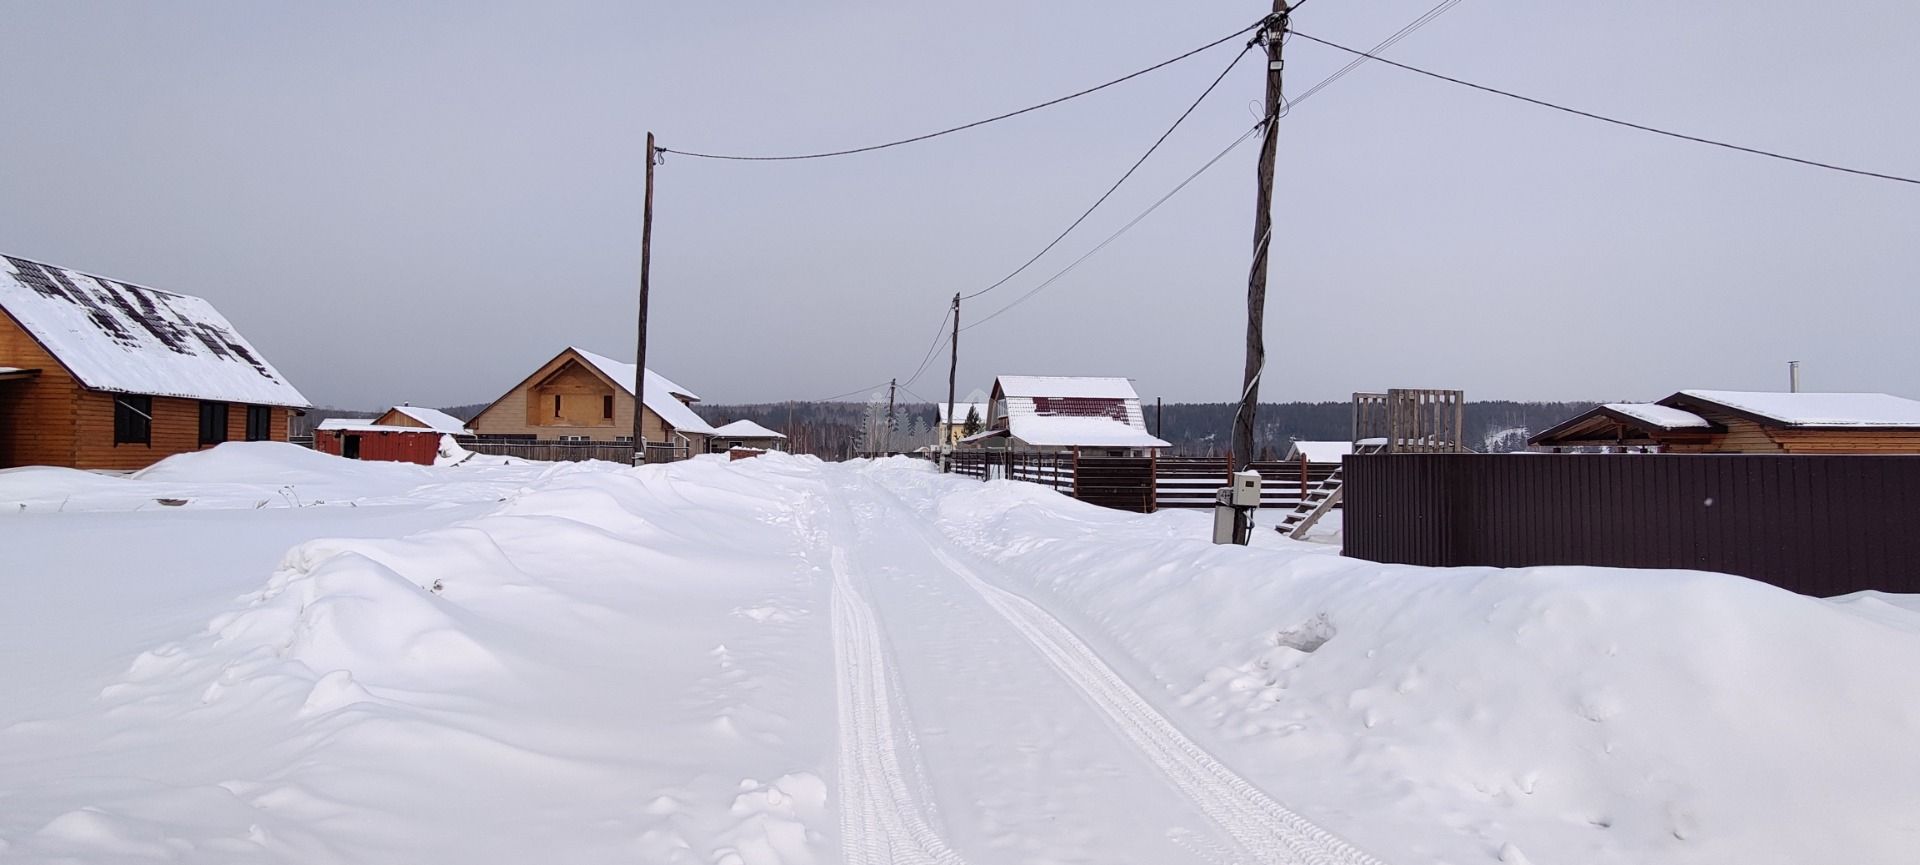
{"x":579,"y":396}
{"x":407,"y":434}
{"x":1746,"y":422}
{"x":1065,"y":414}
{"x":96,"y":373}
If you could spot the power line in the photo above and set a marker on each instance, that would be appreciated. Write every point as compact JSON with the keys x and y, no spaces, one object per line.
{"x":1603,"y":118}
{"x":940,"y":338}
{"x":848,"y":393}
{"x":1123,"y":178}
{"x":1051,"y":102}
{"x":1386,"y":43}
{"x":1123,"y":229}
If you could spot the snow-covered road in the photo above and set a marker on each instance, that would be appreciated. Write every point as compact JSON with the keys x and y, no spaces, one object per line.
{"x":786,"y":662}
{"x":1157,"y":785}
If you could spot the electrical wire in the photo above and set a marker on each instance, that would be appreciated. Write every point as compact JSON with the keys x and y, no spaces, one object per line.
{"x":1123,"y":178}
{"x":940,"y":338}
{"x":1588,"y":114}
{"x":848,"y":393}
{"x":1123,"y":229}
{"x":1049,"y":103}
{"x":1386,"y":43}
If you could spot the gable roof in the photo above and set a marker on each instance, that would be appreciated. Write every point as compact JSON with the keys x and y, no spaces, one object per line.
{"x":433,"y":419}
{"x":120,"y":337}
{"x":1807,"y":410}
{"x":1651,"y":414}
{"x":622,"y":375}
{"x":960,"y":410}
{"x":747,"y":429}
{"x":662,"y":397}
{"x":1084,"y":387}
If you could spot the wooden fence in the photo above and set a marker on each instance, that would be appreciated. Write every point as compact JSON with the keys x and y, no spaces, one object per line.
{"x":1820,"y":525}
{"x":554,"y":451}
{"x":1138,"y":484}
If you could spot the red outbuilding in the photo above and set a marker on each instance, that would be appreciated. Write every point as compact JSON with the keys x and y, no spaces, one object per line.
{"x":405,"y":434}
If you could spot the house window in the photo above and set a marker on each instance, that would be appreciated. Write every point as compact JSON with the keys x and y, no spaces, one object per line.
{"x":556,"y":405}
{"x":259,"y":423}
{"x":132,"y":420}
{"x":213,"y":423}
{"x":573,"y":438}
{"x":606,"y":406}
{"x":623,"y":439}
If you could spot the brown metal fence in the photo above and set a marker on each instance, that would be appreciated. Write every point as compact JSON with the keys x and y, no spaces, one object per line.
{"x":1820,"y":525}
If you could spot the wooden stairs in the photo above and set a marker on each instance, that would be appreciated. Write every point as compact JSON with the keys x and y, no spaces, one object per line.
{"x":1316,"y":502}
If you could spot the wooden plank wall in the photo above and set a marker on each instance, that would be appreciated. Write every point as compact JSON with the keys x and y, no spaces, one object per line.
{"x":1820,"y":525}
{"x":36,"y":414}
{"x":176,"y":430}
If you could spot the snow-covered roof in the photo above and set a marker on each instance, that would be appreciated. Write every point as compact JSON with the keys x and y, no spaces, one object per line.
{"x":661,"y":394}
{"x":1320,"y":452}
{"x":1081,"y":431}
{"x":1085,"y":387}
{"x":1664,"y":417}
{"x":622,"y":374}
{"x":1817,"y":409}
{"x":334,"y":423}
{"x":116,"y":336}
{"x":960,"y":410}
{"x":747,"y":429}
{"x":435,"y":419}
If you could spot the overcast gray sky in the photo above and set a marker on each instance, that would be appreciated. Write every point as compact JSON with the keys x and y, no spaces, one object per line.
{"x":421,"y":202}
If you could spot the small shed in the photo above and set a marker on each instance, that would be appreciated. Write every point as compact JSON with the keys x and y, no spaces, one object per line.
{"x":405,"y":434}
{"x":746,"y":434}
{"x":1745,"y":422}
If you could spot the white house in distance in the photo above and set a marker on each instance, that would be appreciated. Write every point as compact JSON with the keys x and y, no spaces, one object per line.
{"x":1065,"y":414}
{"x":747,"y":434}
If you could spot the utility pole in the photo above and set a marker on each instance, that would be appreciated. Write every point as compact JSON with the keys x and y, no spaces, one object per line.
{"x":640,"y":351}
{"x":1270,"y":33}
{"x":891,"y":384}
{"x":953,"y":371}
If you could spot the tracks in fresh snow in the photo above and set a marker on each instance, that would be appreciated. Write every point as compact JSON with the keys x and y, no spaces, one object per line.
{"x":1265,"y":830}
{"x":883,"y":817}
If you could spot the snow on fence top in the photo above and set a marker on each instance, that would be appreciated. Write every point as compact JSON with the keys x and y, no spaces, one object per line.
{"x":747,"y":429}
{"x":1817,"y":409}
{"x":1660,"y":416}
{"x":662,"y":396}
{"x":1084,"y":387}
{"x":116,"y":336}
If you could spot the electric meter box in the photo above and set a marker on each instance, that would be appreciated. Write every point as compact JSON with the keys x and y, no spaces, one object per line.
{"x":1246,"y":490}
{"x":1225,"y":517}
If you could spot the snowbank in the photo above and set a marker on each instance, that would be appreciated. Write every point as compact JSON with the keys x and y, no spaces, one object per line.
{"x":1563,"y":714}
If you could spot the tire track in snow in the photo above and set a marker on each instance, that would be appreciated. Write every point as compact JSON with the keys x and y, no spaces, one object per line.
{"x":883,"y":817}
{"x":1265,"y":829}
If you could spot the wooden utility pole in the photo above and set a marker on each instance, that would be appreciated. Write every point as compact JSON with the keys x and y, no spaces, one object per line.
{"x":953,"y":371}
{"x":640,"y":351}
{"x":1243,"y":448}
{"x":891,"y":384}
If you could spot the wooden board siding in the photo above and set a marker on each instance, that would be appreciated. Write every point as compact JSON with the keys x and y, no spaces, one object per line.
{"x":395,"y":417}
{"x":36,"y":414}
{"x":175,"y":430}
{"x":524,"y":412}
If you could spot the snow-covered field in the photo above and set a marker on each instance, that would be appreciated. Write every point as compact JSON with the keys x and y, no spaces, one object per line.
{"x":310,"y":660}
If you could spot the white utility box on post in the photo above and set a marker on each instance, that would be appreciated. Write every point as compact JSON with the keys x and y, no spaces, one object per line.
{"x":1233,"y":508}
{"x":1246,"y":489}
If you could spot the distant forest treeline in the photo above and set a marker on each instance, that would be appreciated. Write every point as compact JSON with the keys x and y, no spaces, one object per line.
{"x":839,"y":430}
